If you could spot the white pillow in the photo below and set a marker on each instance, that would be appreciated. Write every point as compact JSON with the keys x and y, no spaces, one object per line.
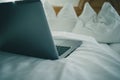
{"x":104,"y":28}
{"x":109,"y":20}
{"x":63,"y":25}
{"x":67,"y":12}
{"x":66,"y":19}
{"x":87,"y":14}
{"x":108,"y":14}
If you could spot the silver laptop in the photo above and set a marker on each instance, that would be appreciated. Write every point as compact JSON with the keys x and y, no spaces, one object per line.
{"x":24,"y":30}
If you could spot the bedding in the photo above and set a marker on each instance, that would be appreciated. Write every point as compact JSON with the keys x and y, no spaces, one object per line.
{"x":91,"y":61}
{"x":115,"y":47}
{"x":67,"y":18}
{"x":64,"y":21}
{"x":83,"y":19}
{"x":87,"y":14}
{"x":62,"y":24}
{"x":80,"y":27}
{"x":106,"y":22}
{"x":67,"y":12}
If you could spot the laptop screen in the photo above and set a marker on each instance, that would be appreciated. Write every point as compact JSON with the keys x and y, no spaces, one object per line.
{"x":24,"y":30}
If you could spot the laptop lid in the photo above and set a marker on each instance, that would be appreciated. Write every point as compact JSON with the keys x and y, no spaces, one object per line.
{"x":24,"y":30}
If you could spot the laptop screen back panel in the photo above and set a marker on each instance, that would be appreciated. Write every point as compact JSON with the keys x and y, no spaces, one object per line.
{"x":27,"y":30}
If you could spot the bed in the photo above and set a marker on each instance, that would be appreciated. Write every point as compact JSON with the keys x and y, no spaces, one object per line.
{"x":93,"y":60}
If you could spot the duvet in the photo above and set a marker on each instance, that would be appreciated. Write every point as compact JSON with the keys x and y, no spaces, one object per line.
{"x":90,"y":61}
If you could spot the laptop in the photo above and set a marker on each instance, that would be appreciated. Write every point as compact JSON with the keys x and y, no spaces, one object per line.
{"x":24,"y":30}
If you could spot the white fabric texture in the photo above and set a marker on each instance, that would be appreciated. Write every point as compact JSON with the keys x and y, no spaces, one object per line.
{"x":104,"y":28}
{"x":87,"y":14}
{"x":72,"y":36}
{"x":109,"y":23}
{"x":91,"y":61}
{"x":67,"y":12}
{"x":66,"y":19}
{"x":115,"y":47}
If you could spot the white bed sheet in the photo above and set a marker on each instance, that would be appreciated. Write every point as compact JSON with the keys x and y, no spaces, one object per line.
{"x":115,"y":47}
{"x":91,"y":61}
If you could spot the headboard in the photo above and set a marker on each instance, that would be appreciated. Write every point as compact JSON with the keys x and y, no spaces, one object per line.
{"x":96,"y":5}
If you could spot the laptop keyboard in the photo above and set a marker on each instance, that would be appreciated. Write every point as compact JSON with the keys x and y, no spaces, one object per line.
{"x":62,"y":49}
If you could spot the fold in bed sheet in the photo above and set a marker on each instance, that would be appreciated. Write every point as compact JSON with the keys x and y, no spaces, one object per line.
{"x":91,"y":61}
{"x":115,"y":47}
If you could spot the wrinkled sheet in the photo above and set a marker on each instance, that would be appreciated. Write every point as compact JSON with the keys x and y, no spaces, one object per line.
{"x":115,"y":47}
{"x":91,"y":61}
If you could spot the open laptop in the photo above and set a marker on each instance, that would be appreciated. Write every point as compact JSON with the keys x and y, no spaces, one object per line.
{"x":24,"y":30}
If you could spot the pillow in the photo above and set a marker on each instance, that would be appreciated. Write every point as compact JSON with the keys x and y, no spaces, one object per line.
{"x":66,"y":19}
{"x":67,"y":12}
{"x":104,"y":28}
{"x":107,"y":24}
{"x":108,"y":14}
{"x":87,"y":14}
